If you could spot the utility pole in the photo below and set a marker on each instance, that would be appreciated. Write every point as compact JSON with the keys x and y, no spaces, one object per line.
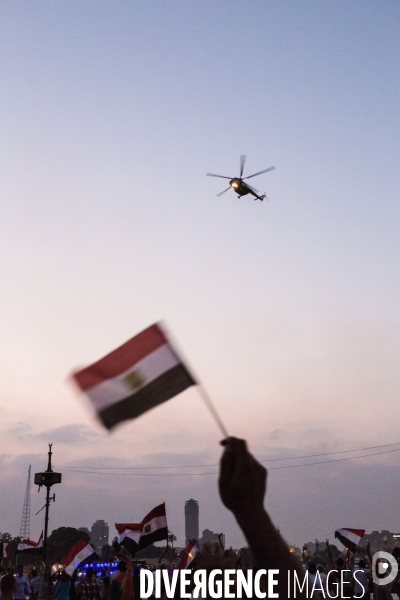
{"x":48,"y":478}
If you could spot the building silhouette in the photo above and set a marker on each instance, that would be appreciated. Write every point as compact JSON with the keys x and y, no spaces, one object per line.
{"x":99,"y":534}
{"x":191,"y":520}
{"x":380,"y":539}
{"x":209,"y":537}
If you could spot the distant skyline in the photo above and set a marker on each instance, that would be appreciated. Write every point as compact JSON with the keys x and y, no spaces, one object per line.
{"x":99,"y":533}
{"x":287,"y":310}
{"x":192,"y":514}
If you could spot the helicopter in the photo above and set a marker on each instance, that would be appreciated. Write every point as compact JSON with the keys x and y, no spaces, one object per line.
{"x":238,"y":184}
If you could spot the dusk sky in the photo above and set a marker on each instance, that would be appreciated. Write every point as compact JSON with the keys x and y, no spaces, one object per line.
{"x":288,"y":309}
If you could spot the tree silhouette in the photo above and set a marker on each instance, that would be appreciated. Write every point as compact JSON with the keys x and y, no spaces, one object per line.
{"x":61,"y":540}
{"x":171,"y":538}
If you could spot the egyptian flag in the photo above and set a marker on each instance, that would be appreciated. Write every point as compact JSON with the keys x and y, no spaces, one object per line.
{"x":80,"y":554}
{"x":29,"y":547}
{"x":129,"y":536}
{"x":136,"y":536}
{"x":350,"y":538}
{"x":139,"y":375}
{"x":189,"y":554}
{"x":4,"y":550}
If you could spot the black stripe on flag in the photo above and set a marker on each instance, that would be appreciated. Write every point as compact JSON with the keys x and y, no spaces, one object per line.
{"x":129,"y":544}
{"x":156,"y":536}
{"x":31,"y":550}
{"x":165,"y":387}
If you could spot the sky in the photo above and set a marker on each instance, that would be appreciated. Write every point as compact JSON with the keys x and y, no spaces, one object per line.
{"x":111,"y":114}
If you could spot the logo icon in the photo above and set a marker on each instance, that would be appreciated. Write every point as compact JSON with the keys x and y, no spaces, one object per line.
{"x":384,"y":568}
{"x":134,"y":380}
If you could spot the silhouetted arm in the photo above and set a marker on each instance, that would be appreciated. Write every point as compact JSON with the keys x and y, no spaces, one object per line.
{"x":329,"y":551}
{"x":242,"y":487}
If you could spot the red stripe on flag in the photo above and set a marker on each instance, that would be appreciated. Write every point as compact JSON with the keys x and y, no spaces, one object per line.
{"x":158,"y":511}
{"x":121,"y":359}
{"x":33,"y":544}
{"x":133,"y":526}
{"x":359,"y":532}
{"x":29,"y":543}
{"x":73,"y":552}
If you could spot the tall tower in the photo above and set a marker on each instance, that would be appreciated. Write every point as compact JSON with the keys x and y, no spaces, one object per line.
{"x":191,"y":520}
{"x":99,"y":535}
{"x":25,"y":529}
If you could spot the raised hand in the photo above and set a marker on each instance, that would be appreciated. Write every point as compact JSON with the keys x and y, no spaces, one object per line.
{"x":242,"y":480}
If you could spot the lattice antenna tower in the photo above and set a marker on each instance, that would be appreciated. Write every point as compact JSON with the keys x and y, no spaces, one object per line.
{"x":25,"y":529}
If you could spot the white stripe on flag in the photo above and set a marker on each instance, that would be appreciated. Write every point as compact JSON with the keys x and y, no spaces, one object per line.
{"x":131,"y":534}
{"x":78,"y":558}
{"x":113,"y":390}
{"x":29,"y":545}
{"x":349,"y":535}
{"x":191,"y":555}
{"x":156,"y":523}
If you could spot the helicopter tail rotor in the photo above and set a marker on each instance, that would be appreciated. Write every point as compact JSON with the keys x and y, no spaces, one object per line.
{"x":261,"y":198}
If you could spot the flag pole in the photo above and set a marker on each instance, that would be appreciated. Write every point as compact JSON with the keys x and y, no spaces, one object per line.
{"x":207,"y":400}
{"x":203,"y":394}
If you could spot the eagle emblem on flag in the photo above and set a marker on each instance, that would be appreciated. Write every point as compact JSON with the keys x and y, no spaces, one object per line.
{"x":147,"y":528}
{"x":135,"y":379}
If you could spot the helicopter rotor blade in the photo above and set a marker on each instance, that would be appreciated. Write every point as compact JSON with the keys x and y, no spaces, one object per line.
{"x":242,"y":161}
{"x":214,"y":175}
{"x":259,"y":172}
{"x":220,"y":194}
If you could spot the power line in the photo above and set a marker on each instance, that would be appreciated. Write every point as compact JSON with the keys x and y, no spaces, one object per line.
{"x":96,"y":472}
{"x":323,"y":462}
{"x":331,"y":453}
{"x":217,"y":465}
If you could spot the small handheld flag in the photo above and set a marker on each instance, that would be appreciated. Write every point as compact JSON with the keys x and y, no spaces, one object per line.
{"x":137,"y":536}
{"x":350,"y":538}
{"x":188,"y":555}
{"x":80,"y":554}
{"x":139,"y":375}
{"x":29,"y":547}
{"x":4,"y":550}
